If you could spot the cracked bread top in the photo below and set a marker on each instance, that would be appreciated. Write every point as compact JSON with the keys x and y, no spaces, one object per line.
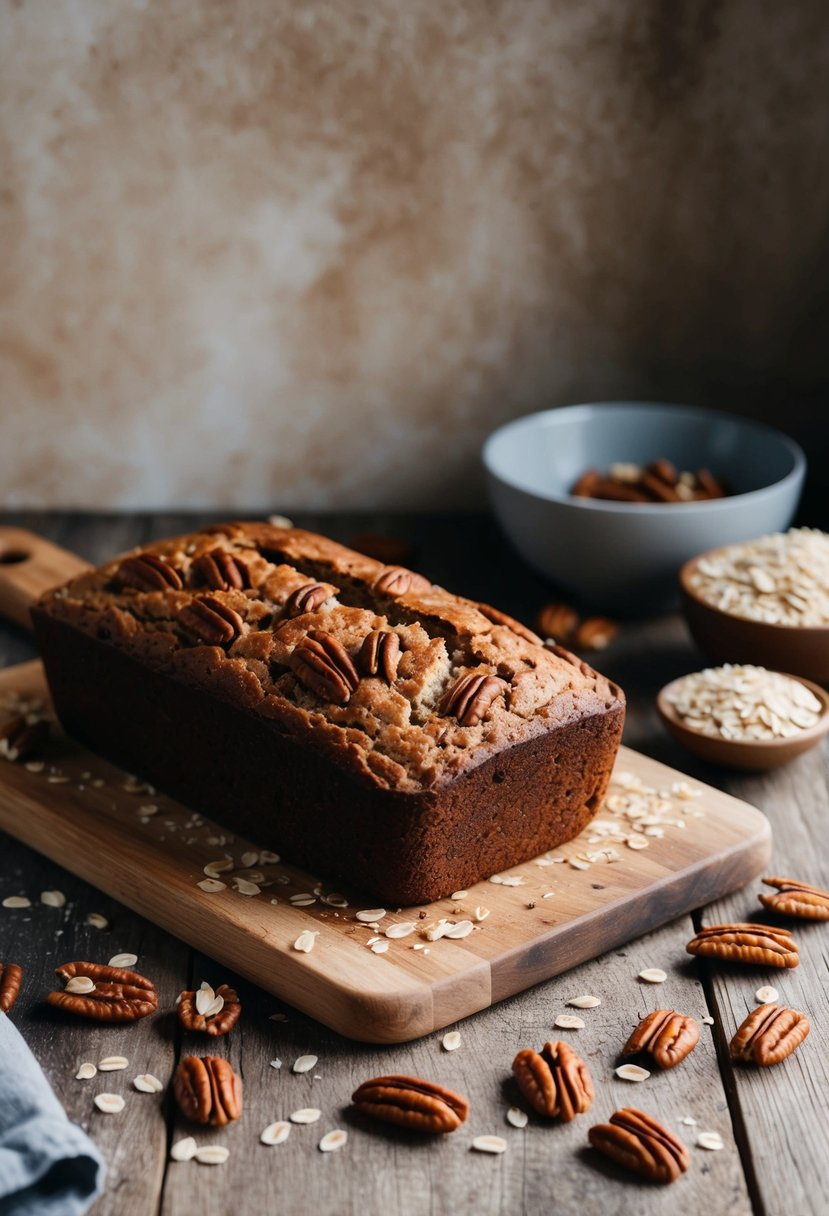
{"x":400,"y":682}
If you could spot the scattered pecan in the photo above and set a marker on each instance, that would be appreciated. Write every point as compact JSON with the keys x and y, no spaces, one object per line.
{"x":638,"y":1143}
{"x":390,"y":550}
{"x":215,"y":1024}
{"x":587,"y":484}
{"x":667,"y":1037}
{"x":664,"y":470}
{"x":710,"y":486}
{"x":794,"y":898}
{"x":761,"y":945}
{"x":208,"y":620}
{"x":208,"y":1090}
{"x":118,"y":996}
{"x":769,"y":1034}
{"x":221,"y":570}
{"x":146,"y":572}
{"x":596,"y":633}
{"x":380,"y":654}
{"x":555,"y":1081}
{"x":10,"y":977}
{"x":469,"y":698}
{"x":509,"y":622}
{"x":323,"y":665}
{"x":20,"y":739}
{"x":308,"y":598}
{"x":558,"y":621}
{"x":397,"y":580}
{"x":411,"y":1102}
{"x":657,"y":488}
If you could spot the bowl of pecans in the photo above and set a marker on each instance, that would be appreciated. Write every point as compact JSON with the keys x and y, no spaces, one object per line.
{"x":608,"y":500}
{"x":764,"y":601}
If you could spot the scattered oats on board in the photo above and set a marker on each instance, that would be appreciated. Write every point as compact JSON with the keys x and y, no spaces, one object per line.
{"x":305,"y":1063}
{"x":277,"y":1063}
{"x":86,"y":1072}
{"x":459,"y":895}
{"x":53,"y":899}
{"x":276,"y":1133}
{"x":653,"y":975}
{"x":333,"y":1141}
{"x":306,"y":941}
{"x":707,"y":1020}
{"x":689,"y":1121}
{"x":481,"y":913}
{"x":249,"y":858}
{"x":17,"y":901}
{"x":766,"y":995}
{"x":109,"y":1104}
{"x":146,"y":1083}
{"x":569,"y":1021}
{"x":96,"y":920}
{"x":212,"y":1154}
{"x":489,"y":1144}
{"x":306,"y":1114}
{"x":369,"y":915}
{"x":461,"y":928}
{"x":517,"y":1117}
{"x":80,"y":985}
{"x":113,"y":1063}
{"x":277,"y":1017}
{"x":214,"y":868}
{"x":245,"y":887}
{"x":710,"y":1140}
{"x":585,"y":1002}
{"x":631,"y":1072}
{"x":451,"y":1041}
{"x":379,"y":947}
{"x":402,"y":929}
{"x":183,"y":1150}
{"x":212,"y":885}
{"x":123,"y":960}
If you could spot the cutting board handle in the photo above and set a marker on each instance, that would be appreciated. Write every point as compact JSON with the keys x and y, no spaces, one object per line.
{"x":30,"y":565}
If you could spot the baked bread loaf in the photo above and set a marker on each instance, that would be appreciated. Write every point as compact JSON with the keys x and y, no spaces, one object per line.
{"x":362,"y":722}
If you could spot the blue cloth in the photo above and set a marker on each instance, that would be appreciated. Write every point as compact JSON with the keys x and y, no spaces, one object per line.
{"x":48,"y":1166}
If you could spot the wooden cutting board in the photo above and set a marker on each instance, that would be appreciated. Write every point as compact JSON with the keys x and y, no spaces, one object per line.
{"x":537,"y":920}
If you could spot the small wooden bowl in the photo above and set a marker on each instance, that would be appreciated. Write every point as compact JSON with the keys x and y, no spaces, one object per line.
{"x":726,"y":638}
{"x":756,"y":754}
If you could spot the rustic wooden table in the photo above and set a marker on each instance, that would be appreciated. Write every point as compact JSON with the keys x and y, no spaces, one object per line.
{"x":773,"y":1122}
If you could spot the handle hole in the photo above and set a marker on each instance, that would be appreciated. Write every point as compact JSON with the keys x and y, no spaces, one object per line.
{"x":11,"y":557}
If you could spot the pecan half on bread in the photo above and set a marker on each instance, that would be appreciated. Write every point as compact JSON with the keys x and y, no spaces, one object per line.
{"x":638,"y":1143}
{"x":207,"y":619}
{"x":411,"y":1102}
{"x":219,"y":1022}
{"x":769,"y":1034}
{"x":208,"y":1090}
{"x":794,"y":898}
{"x":146,"y":572}
{"x":469,"y":698}
{"x":761,"y":945}
{"x":324,"y":666}
{"x":10,"y":977}
{"x":221,"y":571}
{"x":666,"y":1036}
{"x":380,"y":654}
{"x":107,"y":994}
{"x":397,"y":580}
{"x":555,"y":1081}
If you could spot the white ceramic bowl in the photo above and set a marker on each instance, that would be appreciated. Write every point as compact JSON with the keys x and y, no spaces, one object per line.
{"x":624,"y":557}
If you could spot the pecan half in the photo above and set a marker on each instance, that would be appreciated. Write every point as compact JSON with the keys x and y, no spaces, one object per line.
{"x":558,"y":621}
{"x":20,"y":739}
{"x":146,"y":572}
{"x":221,"y":570}
{"x":208,"y":1090}
{"x":667,"y":1037}
{"x":10,"y":977}
{"x":411,"y":1102}
{"x":308,"y":598}
{"x":208,"y":620}
{"x":323,"y":665}
{"x":638,"y":1143}
{"x":794,"y":898}
{"x":117,"y":995}
{"x":761,"y":945}
{"x":469,"y":698}
{"x":769,"y":1034}
{"x":596,"y":633}
{"x":380,"y":654}
{"x":216,"y":1023}
{"x":509,"y":622}
{"x":397,"y":580}
{"x":555,"y":1081}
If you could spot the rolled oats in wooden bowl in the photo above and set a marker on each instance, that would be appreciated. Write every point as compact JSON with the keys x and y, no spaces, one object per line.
{"x":764,"y":602}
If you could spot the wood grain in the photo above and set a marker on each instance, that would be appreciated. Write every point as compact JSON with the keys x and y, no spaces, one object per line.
{"x":30,"y":565}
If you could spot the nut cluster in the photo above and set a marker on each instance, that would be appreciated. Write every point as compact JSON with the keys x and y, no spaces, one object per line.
{"x":656,"y":482}
{"x":560,"y":623}
{"x":106,"y":994}
{"x":555,"y":1081}
{"x":213,"y":1023}
{"x":208,"y":1091}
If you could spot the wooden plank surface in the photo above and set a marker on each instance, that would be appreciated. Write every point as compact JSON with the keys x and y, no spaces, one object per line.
{"x":545,"y":1168}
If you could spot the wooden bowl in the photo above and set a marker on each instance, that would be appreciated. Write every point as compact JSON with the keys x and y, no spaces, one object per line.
{"x":757,"y":754}
{"x":726,"y":638}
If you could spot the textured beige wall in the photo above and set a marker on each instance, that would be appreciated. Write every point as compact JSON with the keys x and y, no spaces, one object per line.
{"x":308,"y":252}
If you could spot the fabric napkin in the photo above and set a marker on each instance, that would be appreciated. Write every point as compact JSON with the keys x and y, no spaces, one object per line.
{"x":48,"y":1166}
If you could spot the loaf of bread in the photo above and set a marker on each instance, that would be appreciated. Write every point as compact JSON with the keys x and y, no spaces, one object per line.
{"x":362,"y":722}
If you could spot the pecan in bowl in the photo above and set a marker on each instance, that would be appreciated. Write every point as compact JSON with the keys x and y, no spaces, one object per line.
{"x":794,"y":898}
{"x":208,"y":1090}
{"x":666,"y":1036}
{"x":761,"y":945}
{"x":10,"y":977}
{"x":555,"y":1081}
{"x":638,"y":1143}
{"x":219,"y":1015}
{"x":411,"y":1102}
{"x":106,"y":994}
{"x":768,"y":1035}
